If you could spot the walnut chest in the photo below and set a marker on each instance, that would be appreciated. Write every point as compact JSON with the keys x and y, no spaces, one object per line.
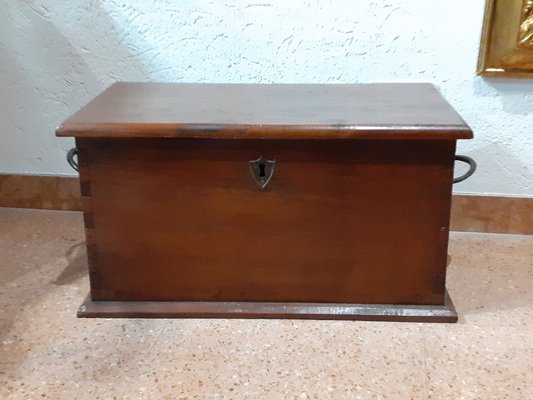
{"x":283,"y":201}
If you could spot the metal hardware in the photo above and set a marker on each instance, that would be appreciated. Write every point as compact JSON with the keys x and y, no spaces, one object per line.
{"x":70,"y":158}
{"x":472,"y":168}
{"x":262,"y":171}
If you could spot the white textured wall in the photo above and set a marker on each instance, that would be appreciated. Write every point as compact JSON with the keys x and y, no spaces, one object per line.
{"x":56,"y":55}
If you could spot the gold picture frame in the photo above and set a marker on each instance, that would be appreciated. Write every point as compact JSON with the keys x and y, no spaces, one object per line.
{"x":507,"y":39}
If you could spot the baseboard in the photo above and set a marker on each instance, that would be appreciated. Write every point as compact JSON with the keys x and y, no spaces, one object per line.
{"x":469,"y":213}
{"x":495,"y":214}
{"x":40,"y":191}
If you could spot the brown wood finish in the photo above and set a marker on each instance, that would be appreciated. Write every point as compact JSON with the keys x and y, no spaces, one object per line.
{"x":353,"y":228}
{"x":364,"y":111}
{"x":212,"y":309}
{"x":354,"y":222}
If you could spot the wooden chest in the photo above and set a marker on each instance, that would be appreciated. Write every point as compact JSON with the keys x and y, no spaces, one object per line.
{"x":298,"y":201}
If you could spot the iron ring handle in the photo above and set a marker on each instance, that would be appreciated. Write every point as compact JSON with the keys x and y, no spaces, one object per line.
{"x":468,"y":160}
{"x":70,"y":158}
{"x":472,"y":168}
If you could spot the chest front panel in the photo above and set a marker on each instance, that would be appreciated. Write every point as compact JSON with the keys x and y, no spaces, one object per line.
{"x":348,"y":221}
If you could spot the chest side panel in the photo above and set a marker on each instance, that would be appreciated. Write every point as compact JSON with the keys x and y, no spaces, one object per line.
{"x":357,"y":221}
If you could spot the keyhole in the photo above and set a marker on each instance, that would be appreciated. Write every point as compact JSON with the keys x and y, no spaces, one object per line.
{"x":262,"y":173}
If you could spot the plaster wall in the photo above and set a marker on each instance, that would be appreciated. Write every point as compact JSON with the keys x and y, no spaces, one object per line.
{"x":55,"y":56}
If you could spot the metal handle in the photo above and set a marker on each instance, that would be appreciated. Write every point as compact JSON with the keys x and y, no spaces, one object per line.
{"x":70,"y":158}
{"x":472,"y":168}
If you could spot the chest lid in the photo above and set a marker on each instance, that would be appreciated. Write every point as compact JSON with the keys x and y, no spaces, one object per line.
{"x":268,"y":111}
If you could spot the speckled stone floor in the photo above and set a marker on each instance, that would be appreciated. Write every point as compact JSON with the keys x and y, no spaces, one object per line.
{"x":48,"y":353}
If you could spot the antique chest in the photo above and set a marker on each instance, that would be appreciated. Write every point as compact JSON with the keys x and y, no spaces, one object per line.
{"x":284,"y":201}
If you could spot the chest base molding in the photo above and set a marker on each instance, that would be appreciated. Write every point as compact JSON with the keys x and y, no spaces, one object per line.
{"x":278,"y":310}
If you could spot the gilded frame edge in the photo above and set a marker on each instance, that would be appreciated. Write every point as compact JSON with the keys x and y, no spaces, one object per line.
{"x":485,"y":34}
{"x":483,"y":67}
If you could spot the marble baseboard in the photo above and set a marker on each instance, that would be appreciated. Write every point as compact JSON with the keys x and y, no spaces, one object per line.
{"x":40,"y":191}
{"x":469,"y":213}
{"x":495,"y":214}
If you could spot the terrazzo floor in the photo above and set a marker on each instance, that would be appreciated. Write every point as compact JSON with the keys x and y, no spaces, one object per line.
{"x":48,"y":353}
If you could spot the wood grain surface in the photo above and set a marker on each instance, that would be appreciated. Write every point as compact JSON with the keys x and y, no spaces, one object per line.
{"x":355,"y":221}
{"x":214,"y":309}
{"x":364,"y":111}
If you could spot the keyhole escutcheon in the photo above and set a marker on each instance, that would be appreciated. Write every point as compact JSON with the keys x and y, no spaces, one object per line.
{"x":262,"y":171}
